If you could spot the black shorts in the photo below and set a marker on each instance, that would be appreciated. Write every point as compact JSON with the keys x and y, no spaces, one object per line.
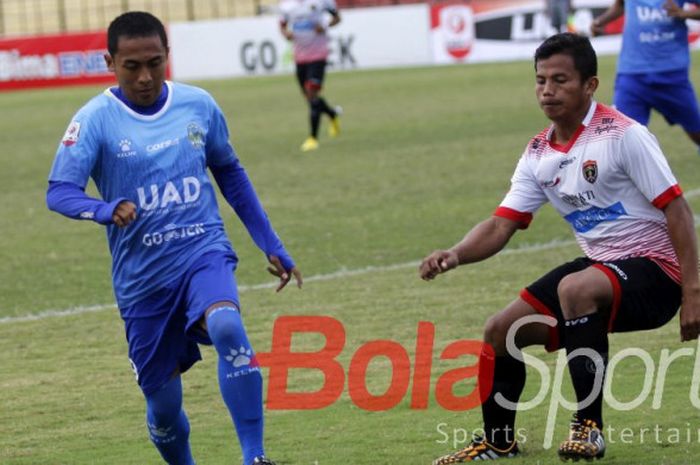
{"x":644,"y":296}
{"x":310,"y":75}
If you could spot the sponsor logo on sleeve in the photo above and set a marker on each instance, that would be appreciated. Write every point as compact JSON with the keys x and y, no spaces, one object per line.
{"x":72,"y":134}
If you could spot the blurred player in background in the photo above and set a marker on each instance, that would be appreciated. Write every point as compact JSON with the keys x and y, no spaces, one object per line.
{"x":606,"y":175}
{"x":147,"y":144}
{"x":306,"y":23}
{"x":558,"y":12}
{"x":653,"y":68}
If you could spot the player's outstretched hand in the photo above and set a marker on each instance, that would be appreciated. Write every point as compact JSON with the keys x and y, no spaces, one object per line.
{"x":690,"y":318}
{"x":437,"y":262}
{"x":124,"y":214}
{"x":278,"y":270}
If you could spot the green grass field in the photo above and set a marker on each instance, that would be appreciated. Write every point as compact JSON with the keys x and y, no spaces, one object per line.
{"x":424,"y":155}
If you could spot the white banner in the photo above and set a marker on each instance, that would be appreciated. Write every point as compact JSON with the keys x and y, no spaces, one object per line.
{"x":454,"y":31}
{"x":366,"y":38}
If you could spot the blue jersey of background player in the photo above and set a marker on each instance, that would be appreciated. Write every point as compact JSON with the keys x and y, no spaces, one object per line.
{"x":147,"y":144}
{"x":652,"y":71}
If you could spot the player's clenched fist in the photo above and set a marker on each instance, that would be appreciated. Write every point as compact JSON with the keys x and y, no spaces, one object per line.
{"x":438,"y":262}
{"x":124,"y":214}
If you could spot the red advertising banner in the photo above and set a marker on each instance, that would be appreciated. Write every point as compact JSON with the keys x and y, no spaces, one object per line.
{"x":56,"y":60}
{"x":499,"y":30}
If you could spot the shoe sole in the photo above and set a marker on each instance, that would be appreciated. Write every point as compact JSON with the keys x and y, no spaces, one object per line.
{"x":573,"y":457}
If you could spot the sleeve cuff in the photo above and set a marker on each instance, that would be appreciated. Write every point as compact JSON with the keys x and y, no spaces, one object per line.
{"x":522,"y":218}
{"x":285,"y":258}
{"x":666,"y":196}
{"x":103,"y":215}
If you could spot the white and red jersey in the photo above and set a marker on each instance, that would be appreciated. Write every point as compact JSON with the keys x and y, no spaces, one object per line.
{"x":302,"y":17}
{"x":610,"y":183}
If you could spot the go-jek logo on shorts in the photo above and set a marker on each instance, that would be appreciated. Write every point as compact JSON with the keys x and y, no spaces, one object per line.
{"x":172,"y":194}
{"x":172,"y":232}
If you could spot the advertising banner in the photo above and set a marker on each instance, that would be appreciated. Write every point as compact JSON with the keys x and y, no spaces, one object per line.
{"x":503,"y":30}
{"x":366,"y":38}
{"x":58,"y":60}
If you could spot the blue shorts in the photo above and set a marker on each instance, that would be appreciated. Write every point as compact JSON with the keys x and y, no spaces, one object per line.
{"x":670,"y":93}
{"x":165,"y":339}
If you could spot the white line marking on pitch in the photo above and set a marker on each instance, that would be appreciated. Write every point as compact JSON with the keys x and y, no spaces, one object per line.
{"x":340,"y":274}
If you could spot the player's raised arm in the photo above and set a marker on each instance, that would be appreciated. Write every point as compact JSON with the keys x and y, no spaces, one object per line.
{"x":284,"y":29}
{"x":674,"y":10}
{"x":483,"y":241}
{"x":616,"y":10}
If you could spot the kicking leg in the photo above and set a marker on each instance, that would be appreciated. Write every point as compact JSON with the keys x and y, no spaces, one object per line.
{"x":240,"y":380}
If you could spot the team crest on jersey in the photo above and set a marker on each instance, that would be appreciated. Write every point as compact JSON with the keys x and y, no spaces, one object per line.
{"x":195,"y":135}
{"x":590,"y":171}
{"x":72,"y":133}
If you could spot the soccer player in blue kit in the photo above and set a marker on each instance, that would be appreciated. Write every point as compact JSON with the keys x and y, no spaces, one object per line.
{"x":653,"y":67}
{"x":147,"y":144}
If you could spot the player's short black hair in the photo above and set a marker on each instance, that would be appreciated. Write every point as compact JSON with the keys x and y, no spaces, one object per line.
{"x":576,"y":46}
{"x":134,"y":24}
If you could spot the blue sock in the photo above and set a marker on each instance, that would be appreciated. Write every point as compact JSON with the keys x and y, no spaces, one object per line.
{"x":167,"y":423}
{"x":240,"y":380}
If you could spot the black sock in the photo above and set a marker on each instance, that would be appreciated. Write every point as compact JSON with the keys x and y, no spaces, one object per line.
{"x":509,"y":380}
{"x":325,"y":108}
{"x":315,"y":116}
{"x":591,"y":332}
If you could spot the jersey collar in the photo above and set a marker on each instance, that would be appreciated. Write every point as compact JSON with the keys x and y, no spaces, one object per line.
{"x":168,"y":89}
{"x":584,"y":124}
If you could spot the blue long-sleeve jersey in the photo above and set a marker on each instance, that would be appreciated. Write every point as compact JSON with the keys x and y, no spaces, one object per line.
{"x":158,"y":161}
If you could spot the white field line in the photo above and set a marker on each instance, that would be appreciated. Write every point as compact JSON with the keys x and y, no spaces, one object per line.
{"x":340,"y":274}
{"x":691,"y":193}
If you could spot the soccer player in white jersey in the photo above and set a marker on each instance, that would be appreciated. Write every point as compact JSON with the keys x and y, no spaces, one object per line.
{"x":607,"y":177}
{"x":306,"y":24}
{"x":147,"y":144}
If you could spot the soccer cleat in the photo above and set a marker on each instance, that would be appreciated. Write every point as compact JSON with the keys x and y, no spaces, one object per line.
{"x":478,"y":450}
{"x":309,"y":144}
{"x":334,"y":128}
{"x":585,"y":442}
{"x":262,"y":460}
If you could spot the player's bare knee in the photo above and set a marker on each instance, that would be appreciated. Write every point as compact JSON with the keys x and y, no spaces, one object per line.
{"x":575,"y":297}
{"x":495,"y":331}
